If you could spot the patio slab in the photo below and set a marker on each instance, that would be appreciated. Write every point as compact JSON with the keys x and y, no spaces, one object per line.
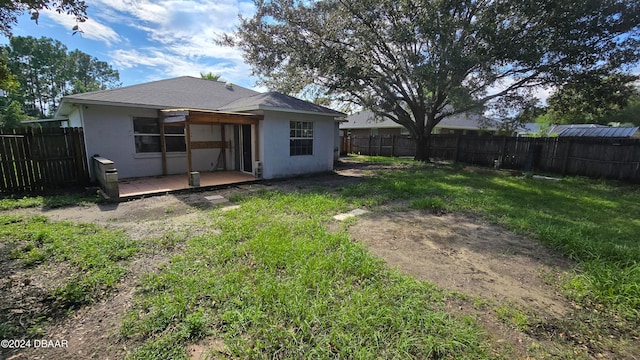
{"x":163,"y":184}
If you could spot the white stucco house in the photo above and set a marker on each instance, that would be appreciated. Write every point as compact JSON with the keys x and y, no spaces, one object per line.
{"x":186,"y":124}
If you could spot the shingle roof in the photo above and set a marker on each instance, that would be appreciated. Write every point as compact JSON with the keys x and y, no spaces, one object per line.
{"x":181,"y":92}
{"x":277,"y":101}
{"x":188,"y":92}
{"x":365,"y":119}
{"x":611,"y":132}
{"x":556,"y":129}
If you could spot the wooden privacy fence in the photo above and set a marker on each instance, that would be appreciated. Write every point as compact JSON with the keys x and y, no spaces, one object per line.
{"x":37,"y":160}
{"x":592,"y":157}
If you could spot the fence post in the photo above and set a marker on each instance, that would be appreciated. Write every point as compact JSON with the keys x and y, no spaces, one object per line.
{"x":393,"y":145}
{"x":504,"y":149}
{"x":455,"y":154}
{"x":379,"y":145}
{"x":566,"y":157}
{"x":369,"y":146}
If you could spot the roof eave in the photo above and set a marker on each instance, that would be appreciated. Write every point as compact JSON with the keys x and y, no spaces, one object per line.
{"x":71,"y":101}
{"x":333,"y":113}
{"x":45,"y":120}
{"x":115,"y":103}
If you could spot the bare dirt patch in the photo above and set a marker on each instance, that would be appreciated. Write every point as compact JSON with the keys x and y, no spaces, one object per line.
{"x":468,"y":256}
{"x":93,"y":331}
{"x":465,"y":255}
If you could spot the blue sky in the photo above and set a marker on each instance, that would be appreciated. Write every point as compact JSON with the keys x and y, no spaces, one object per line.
{"x":148,"y":40}
{"x":151,"y":40}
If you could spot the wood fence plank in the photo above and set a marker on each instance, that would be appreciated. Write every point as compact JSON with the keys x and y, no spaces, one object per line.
{"x":18,"y":158}
{"x":593,"y":157}
{"x":5,"y":172}
{"x":7,"y":162}
{"x":28,"y":163}
{"x":34,"y":159}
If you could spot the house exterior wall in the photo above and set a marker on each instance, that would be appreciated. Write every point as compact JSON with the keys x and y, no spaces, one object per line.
{"x":361,"y":132}
{"x":336,"y":143}
{"x":204,"y":159}
{"x":376,"y":132}
{"x":211,"y":159}
{"x":108,"y":131}
{"x":274,"y":145}
{"x":389,"y":132}
{"x":75,"y":120}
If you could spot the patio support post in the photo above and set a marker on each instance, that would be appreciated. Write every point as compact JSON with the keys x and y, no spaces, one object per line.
{"x":187,"y":129}
{"x":224,"y":147}
{"x":163,"y":147}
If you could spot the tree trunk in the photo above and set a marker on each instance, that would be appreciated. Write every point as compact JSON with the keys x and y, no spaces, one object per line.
{"x":422,"y":149}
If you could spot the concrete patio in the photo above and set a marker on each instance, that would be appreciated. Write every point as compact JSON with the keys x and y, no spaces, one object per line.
{"x":162,"y":184}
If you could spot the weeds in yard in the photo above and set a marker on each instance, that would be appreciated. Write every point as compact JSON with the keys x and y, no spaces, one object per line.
{"x":512,"y":316}
{"x":273,"y":282}
{"x":593,"y":222}
{"x":54,"y":201}
{"x":276,"y":283}
{"x":435,"y":205}
{"x":94,"y":254}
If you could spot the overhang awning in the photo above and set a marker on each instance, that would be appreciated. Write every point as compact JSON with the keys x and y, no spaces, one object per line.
{"x":193,"y":116}
{"x":189,"y":117}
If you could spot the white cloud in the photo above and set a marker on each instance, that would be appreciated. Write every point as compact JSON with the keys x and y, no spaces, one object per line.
{"x":180,"y":36}
{"x":543,"y":94}
{"x":91,"y":29}
{"x":162,"y":64}
{"x":140,"y":10}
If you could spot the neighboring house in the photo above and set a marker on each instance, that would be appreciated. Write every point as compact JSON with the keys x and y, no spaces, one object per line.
{"x":528,"y":129}
{"x":185,"y":124}
{"x":365,"y":124}
{"x":580,"y":130}
{"x":592,"y":130}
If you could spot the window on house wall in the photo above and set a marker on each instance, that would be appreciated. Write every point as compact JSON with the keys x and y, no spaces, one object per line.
{"x":300,"y":138}
{"x":147,"y":136}
{"x":404,"y":131}
{"x":374,"y":132}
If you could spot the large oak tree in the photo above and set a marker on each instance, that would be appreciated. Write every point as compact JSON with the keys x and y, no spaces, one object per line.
{"x":592,"y":99}
{"x":417,"y":62}
{"x":11,"y":9}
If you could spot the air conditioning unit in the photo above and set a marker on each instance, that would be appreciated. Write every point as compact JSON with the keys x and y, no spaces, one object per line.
{"x":257,"y":169}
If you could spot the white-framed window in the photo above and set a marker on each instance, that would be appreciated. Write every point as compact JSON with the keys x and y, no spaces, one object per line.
{"x":300,"y":138}
{"x":147,"y":136}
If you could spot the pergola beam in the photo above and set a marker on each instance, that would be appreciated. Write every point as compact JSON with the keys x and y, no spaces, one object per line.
{"x":190,"y":117}
{"x":208,"y":117}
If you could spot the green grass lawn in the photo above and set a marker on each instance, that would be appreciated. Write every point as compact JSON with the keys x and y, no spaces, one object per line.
{"x":596,"y":223}
{"x":271,"y":280}
{"x":276,"y":283}
{"x":8,"y":202}
{"x":96,"y":257}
